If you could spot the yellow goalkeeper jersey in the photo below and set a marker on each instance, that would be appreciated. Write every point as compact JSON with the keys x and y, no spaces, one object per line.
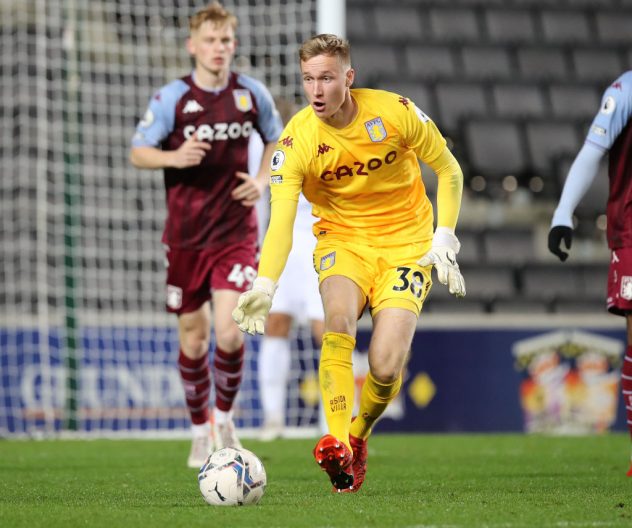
{"x":364,"y":180}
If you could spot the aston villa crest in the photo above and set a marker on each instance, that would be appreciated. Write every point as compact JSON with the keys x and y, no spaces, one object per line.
{"x":626,"y":287}
{"x":243,"y":100}
{"x":376,"y":130}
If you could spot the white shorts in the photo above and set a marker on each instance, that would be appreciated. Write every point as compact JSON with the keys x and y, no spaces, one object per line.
{"x":297,"y":294}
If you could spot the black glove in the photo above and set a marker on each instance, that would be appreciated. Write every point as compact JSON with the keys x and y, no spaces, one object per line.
{"x":556,"y":235}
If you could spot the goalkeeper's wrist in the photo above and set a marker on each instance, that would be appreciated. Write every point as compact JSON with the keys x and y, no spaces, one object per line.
{"x":444,"y":236}
{"x":265,"y":285}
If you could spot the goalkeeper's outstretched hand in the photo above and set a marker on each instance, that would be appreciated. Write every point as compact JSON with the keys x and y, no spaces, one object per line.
{"x":556,"y":235}
{"x":442,"y":255}
{"x":253,"y":306}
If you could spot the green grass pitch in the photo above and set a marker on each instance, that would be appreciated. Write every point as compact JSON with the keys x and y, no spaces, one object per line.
{"x":412,"y":481}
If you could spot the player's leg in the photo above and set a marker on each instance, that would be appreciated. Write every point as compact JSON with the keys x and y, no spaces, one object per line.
{"x":626,"y":380}
{"x":620,"y":303}
{"x":396,"y":302}
{"x":273,"y":373}
{"x":232,"y":272}
{"x":318,"y":329}
{"x":228,"y":363}
{"x":343,"y":302}
{"x":194,"y":336}
{"x":187,"y":297}
{"x":392,"y":336}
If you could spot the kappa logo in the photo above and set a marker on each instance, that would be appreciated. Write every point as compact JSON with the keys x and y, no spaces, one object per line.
{"x":287,"y":141}
{"x":323,"y":148}
{"x":404,"y":101}
{"x":192,"y":107}
{"x":617,"y":86}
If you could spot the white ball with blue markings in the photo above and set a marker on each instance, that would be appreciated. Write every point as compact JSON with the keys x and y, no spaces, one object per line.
{"x":232,"y":477}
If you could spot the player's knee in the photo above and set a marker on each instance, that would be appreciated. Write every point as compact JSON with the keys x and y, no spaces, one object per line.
{"x":385,"y":374}
{"x":229,"y":339}
{"x":341,"y":324}
{"x":194,"y":345}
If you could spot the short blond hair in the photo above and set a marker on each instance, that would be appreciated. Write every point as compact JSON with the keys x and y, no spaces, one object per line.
{"x":326,"y":44}
{"x":215,"y":13}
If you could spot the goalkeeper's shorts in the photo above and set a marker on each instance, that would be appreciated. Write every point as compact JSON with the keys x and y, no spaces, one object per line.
{"x":389,"y":277}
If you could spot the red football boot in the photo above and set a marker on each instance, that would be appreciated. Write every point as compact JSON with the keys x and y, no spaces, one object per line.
{"x":334,"y":457}
{"x":360,"y":455}
{"x":629,"y":473}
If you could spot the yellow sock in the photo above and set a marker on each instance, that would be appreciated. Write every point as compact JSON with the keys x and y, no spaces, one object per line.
{"x":337,"y":386}
{"x":374,"y":398}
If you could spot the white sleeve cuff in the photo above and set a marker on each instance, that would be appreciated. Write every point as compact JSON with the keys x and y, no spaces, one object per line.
{"x":444,"y":236}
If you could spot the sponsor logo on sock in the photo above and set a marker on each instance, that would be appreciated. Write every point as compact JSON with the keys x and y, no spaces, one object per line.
{"x":338,"y":403}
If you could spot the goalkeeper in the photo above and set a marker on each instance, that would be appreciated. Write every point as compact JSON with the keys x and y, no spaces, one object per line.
{"x":354,"y":155}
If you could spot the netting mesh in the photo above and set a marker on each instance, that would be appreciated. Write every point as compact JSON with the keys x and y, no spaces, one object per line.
{"x":84,"y":340}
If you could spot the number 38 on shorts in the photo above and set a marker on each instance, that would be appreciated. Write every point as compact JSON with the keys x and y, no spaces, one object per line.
{"x":389,"y":277}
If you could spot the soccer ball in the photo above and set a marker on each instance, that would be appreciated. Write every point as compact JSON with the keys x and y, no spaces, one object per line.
{"x":232,"y":477}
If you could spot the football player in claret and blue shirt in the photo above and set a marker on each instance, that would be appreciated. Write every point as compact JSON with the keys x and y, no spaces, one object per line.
{"x":611,"y":133}
{"x":197,"y":130}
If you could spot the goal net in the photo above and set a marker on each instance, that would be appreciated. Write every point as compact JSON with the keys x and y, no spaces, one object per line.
{"x":85,"y":344}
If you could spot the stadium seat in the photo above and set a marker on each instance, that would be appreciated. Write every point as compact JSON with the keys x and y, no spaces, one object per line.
{"x":596,"y":65}
{"x":453,"y":305}
{"x":548,"y":282}
{"x":508,"y":246}
{"x":549,"y":139}
{"x":359,"y":23}
{"x":542,"y":63}
{"x":505,"y":26}
{"x":397,"y":22}
{"x":471,"y":250}
{"x":458,"y":100}
{"x":486,"y":62}
{"x":489,"y":281}
{"x":520,"y":306}
{"x":454,"y":24}
{"x":495,"y":147}
{"x":565,"y":305}
{"x":563,"y":27}
{"x":614,"y":27}
{"x":518,"y":100}
{"x":574,"y":101}
{"x":430,"y":62}
{"x":371,"y":61}
{"x":595,"y":280}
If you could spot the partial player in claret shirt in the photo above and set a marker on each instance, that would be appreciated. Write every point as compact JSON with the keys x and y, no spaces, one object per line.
{"x":354,"y":154}
{"x":196,"y":129}
{"x":609,"y":135}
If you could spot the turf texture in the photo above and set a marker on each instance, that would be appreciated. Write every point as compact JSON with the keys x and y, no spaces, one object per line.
{"x":412,"y":481}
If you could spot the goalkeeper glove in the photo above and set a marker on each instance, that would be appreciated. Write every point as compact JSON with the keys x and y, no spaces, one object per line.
{"x":556,"y":235}
{"x":442,"y":256}
{"x":253,"y":306}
